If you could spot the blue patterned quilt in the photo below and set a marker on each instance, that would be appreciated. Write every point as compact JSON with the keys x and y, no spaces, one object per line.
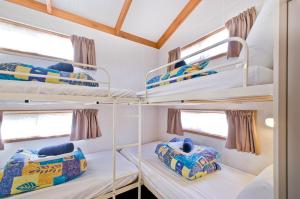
{"x":26,"y":171}
{"x":183,"y":70}
{"x":25,"y":68}
{"x":201,"y":161}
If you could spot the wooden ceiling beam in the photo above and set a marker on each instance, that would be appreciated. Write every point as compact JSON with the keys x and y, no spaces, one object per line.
{"x":49,"y":6}
{"x":122,"y":15}
{"x":82,"y":21}
{"x":185,"y":12}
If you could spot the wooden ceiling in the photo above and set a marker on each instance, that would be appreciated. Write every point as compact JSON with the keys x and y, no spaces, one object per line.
{"x":48,"y":8}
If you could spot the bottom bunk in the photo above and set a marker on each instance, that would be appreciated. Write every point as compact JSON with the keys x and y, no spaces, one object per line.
{"x":96,"y":182}
{"x":227,"y":183}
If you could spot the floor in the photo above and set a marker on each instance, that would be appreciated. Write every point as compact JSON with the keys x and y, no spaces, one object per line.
{"x":132,"y":194}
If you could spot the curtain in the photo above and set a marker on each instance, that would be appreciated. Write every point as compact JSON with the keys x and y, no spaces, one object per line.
{"x":240,"y":26}
{"x":242,"y":134}
{"x":173,"y":56}
{"x":174,"y":122}
{"x":84,"y":50}
{"x":85,"y":124}
{"x":1,"y":141}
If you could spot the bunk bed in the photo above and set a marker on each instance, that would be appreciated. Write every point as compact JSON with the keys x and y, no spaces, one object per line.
{"x":165,"y":183}
{"x":37,"y":85}
{"x":230,"y":81}
{"x":53,"y":85}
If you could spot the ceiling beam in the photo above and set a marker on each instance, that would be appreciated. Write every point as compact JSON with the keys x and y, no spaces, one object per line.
{"x":122,"y":15}
{"x":49,"y":6}
{"x":189,"y":7}
{"x":82,"y":21}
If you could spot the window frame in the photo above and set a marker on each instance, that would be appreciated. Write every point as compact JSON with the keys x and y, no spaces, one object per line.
{"x":205,"y":37}
{"x":36,"y":29}
{"x":203,"y":133}
{"x":35,"y":137}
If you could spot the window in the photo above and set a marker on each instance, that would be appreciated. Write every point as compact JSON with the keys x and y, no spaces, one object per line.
{"x":35,"y":125}
{"x":212,"y":38}
{"x":30,"y":39}
{"x":212,"y":124}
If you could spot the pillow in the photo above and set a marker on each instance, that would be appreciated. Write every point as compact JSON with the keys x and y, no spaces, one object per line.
{"x":62,"y":67}
{"x":261,"y":187}
{"x":56,"y":149}
{"x":187,"y":145}
{"x":179,"y":64}
{"x":260,"y":38}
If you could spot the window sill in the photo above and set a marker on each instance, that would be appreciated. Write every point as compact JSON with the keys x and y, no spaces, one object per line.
{"x":205,"y":134}
{"x":34,"y":138}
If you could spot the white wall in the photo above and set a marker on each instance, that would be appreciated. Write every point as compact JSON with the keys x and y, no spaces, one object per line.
{"x":240,"y":160}
{"x":207,"y":17}
{"x":127,"y":63}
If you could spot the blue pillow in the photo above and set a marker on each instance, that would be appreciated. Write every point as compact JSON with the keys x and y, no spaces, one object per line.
{"x":180,"y":63}
{"x":56,"y":149}
{"x":187,"y":145}
{"x":62,"y":67}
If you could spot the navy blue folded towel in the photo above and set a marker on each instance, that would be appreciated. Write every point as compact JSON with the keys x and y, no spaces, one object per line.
{"x":187,"y":145}
{"x":57,"y":149}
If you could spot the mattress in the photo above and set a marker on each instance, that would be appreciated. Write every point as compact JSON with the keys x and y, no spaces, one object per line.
{"x":9,"y":86}
{"x":233,"y":78}
{"x":226,"y":183}
{"x":97,"y":180}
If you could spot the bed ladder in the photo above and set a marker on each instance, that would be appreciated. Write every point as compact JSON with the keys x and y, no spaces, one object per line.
{"x":118,"y":147}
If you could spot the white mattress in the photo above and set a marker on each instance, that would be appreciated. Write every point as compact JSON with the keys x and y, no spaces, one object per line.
{"x":224,"y":184}
{"x":233,"y":78}
{"x":32,"y":87}
{"x":97,"y":180}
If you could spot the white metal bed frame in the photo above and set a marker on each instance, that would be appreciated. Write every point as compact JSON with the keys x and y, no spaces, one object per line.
{"x":108,"y":99}
{"x":245,"y":93}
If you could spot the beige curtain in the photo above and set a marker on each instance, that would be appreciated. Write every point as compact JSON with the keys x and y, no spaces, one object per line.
{"x":84,"y":50}
{"x":242,"y":134}
{"x":173,"y":56}
{"x":240,"y":26}
{"x":85,"y":124}
{"x":174,"y":122}
{"x":1,"y":141}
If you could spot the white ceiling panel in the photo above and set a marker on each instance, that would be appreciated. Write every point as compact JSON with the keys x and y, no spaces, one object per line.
{"x":150,"y":18}
{"x":103,"y":11}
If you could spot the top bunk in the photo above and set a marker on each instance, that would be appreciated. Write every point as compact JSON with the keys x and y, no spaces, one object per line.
{"x":210,"y":79}
{"x":205,"y":81}
{"x":31,"y":77}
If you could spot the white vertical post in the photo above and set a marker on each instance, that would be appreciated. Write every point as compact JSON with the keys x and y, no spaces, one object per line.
{"x":140,"y":150}
{"x":114,"y":150}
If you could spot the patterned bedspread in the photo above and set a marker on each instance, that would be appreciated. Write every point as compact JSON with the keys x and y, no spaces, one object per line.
{"x":25,"y":171}
{"x":183,"y":70}
{"x":24,"y":68}
{"x":202,"y":161}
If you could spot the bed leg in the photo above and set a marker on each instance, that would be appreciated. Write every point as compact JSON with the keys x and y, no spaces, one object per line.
{"x":114,"y":151}
{"x":140,"y":150}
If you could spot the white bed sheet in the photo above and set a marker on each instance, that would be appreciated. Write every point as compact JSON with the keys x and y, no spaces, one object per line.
{"x":33,"y":87}
{"x":97,"y":180}
{"x":224,"y":184}
{"x":233,"y":78}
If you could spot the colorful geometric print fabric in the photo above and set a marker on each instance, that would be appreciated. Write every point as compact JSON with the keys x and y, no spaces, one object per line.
{"x":183,"y":70}
{"x":24,"y":68}
{"x":25,"y":171}
{"x":202,"y":161}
